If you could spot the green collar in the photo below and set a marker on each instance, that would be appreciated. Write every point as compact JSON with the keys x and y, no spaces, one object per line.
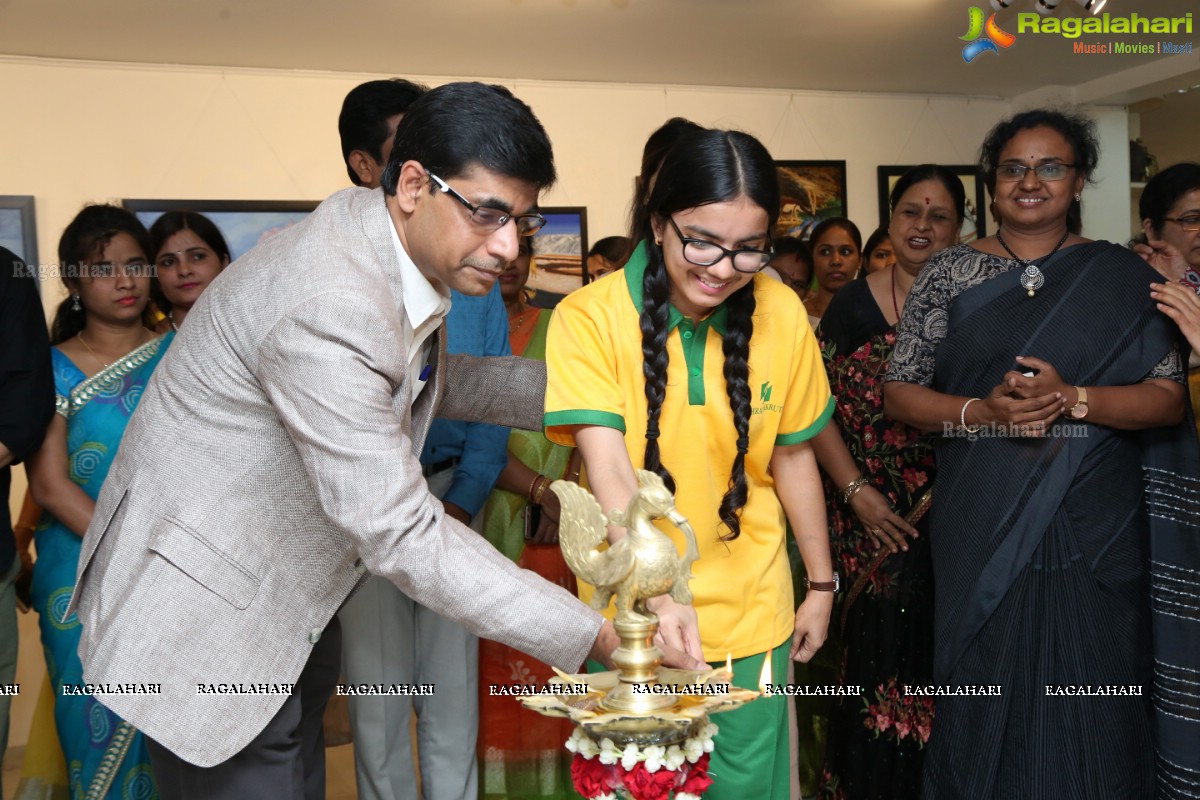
{"x":635,"y":272}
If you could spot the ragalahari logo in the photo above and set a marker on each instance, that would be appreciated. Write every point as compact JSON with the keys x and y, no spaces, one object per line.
{"x":994,"y":37}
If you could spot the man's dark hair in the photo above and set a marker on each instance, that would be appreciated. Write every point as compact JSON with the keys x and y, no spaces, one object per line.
{"x":455,"y":126}
{"x":363,"y":123}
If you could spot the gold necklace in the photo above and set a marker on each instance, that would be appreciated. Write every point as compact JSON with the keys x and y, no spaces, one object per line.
{"x":515,"y":323}
{"x":88,"y":347}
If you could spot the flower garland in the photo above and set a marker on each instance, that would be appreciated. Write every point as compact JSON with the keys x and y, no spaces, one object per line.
{"x":652,"y":773}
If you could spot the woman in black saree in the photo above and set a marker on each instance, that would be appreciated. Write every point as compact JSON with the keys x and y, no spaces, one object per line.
{"x":878,"y":473}
{"x":1064,"y":537}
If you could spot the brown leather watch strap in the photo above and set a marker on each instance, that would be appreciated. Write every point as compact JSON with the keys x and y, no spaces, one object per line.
{"x":824,"y":586}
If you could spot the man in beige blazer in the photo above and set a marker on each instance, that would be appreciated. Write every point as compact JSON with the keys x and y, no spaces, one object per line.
{"x":272,"y":463}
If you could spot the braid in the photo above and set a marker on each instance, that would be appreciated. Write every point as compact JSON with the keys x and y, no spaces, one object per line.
{"x":736,"y":346}
{"x":654,"y":319}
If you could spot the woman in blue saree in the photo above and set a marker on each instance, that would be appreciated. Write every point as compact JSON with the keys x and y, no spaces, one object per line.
{"x":103,"y":357}
{"x":1065,"y":528}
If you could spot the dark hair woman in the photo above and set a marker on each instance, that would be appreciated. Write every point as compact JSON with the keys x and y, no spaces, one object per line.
{"x":878,"y":253}
{"x":658,"y":144}
{"x":836,"y":246}
{"x":679,"y":400}
{"x":189,"y":252}
{"x":1043,"y":534}
{"x":103,"y":357}
{"x":877,"y":490}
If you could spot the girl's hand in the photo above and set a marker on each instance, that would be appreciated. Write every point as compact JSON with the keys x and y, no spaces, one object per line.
{"x":885,"y":527}
{"x":812,"y":625}
{"x":678,"y":626}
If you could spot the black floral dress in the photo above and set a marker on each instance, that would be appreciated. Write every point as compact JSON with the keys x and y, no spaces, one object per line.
{"x":883,"y":619}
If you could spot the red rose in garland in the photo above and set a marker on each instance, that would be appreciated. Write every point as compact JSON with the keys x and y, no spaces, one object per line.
{"x":589,"y":776}
{"x":697,"y":782}
{"x":646,"y":785}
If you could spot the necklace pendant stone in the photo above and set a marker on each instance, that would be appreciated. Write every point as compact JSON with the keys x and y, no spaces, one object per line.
{"x":1032,"y":279}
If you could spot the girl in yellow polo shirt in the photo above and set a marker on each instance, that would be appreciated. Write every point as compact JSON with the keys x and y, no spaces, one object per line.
{"x":690,"y":364}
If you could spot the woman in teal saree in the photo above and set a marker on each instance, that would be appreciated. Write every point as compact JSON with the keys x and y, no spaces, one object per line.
{"x":103,"y":357}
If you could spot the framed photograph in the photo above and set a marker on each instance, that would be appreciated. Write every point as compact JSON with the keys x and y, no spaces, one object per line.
{"x":243,"y":223}
{"x":18,"y":227}
{"x":809,"y":191}
{"x":559,"y":263}
{"x":974,"y":221}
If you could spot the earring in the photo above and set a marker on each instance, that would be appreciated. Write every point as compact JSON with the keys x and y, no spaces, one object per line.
{"x":658,"y":242}
{"x":76,"y":306}
{"x":1077,"y":197}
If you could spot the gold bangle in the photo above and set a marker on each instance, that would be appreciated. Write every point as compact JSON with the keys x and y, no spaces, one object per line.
{"x":532,"y":484}
{"x":541,"y":490}
{"x":853,"y":488}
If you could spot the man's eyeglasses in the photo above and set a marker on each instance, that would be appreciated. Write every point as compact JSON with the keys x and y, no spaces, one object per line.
{"x":1189,"y":223}
{"x":1050,"y":171}
{"x":492,"y":218}
{"x":704,"y":253}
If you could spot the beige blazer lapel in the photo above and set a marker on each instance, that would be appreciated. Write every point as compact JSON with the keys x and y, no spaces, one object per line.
{"x":430,"y":398}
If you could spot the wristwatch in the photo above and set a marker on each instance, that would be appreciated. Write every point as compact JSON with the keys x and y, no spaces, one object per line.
{"x":1080,"y":409}
{"x":834,"y":585}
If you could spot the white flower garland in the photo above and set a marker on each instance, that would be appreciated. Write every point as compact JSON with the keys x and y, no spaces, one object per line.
{"x":655,"y":756}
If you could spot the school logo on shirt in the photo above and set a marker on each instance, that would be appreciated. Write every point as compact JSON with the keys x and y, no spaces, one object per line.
{"x":764,"y":396}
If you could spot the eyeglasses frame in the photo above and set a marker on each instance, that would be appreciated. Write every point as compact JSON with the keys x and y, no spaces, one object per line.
{"x":505,"y":216}
{"x":725,"y":252}
{"x":1026,"y":168}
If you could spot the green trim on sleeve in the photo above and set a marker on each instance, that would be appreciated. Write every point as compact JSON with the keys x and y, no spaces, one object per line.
{"x":583,"y":416}
{"x":812,"y":430}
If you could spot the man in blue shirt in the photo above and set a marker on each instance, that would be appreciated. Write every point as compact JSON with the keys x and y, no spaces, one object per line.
{"x":388,"y":638}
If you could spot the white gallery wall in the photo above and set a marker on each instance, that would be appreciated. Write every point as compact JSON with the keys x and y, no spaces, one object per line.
{"x":80,"y":132}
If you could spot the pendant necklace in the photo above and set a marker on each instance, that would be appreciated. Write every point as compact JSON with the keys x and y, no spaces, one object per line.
{"x":515,"y":323}
{"x":88,"y":347}
{"x":1032,"y":278}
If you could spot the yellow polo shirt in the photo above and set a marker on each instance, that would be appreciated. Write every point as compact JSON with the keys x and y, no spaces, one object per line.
{"x":743,"y":588}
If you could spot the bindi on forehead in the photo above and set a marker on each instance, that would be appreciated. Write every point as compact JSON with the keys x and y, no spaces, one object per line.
{"x":926,"y":201}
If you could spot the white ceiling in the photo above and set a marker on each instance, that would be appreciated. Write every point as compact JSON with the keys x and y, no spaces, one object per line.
{"x":843,"y":45}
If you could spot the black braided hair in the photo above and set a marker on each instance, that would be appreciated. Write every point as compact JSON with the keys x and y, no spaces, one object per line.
{"x":656,"y":288}
{"x":736,"y":347}
{"x":705,"y":166}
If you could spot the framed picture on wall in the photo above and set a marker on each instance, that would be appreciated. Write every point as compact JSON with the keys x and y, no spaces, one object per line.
{"x":809,"y":191}
{"x":243,"y":223}
{"x":18,"y":228}
{"x":559,"y":265}
{"x":974,"y":221}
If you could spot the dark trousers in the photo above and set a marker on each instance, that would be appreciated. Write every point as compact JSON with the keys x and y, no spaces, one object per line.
{"x":285,"y":761}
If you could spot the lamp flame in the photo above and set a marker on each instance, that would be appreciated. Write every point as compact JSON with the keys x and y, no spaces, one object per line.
{"x":764,"y":677}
